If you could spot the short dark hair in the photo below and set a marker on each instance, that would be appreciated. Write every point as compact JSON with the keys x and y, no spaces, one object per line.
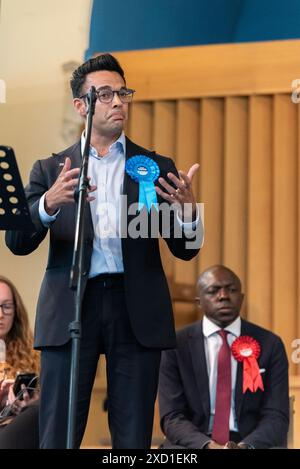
{"x":101,"y":62}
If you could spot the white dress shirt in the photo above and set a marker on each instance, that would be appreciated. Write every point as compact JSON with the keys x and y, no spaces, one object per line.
{"x":107,"y":173}
{"x":212,"y":345}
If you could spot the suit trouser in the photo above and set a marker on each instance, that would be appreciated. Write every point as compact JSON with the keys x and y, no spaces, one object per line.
{"x":132,"y":373}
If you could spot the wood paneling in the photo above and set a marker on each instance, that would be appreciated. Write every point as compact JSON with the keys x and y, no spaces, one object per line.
{"x":214,"y":70}
{"x":211,"y":132}
{"x":141,"y":123}
{"x":284,"y":198}
{"x":164,"y":142}
{"x":187,"y":129}
{"x":259,"y":245}
{"x":235,"y":186}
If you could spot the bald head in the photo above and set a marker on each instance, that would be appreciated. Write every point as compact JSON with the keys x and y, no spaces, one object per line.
{"x":220,"y":296}
{"x":218,"y":268}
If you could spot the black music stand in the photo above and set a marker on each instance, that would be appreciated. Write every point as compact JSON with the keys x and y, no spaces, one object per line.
{"x":14,"y":212}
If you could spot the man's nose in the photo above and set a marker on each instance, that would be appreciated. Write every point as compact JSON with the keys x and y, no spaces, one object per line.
{"x":116,"y":100}
{"x":223,"y":294}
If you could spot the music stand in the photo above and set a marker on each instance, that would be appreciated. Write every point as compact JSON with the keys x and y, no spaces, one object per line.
{"x":14,"y":212}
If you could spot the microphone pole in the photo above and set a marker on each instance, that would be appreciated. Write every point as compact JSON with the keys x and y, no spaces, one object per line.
{"x":80,"y":196}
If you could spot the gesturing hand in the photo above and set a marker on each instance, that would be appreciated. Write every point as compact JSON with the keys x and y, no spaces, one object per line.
{"x":184,"y":192}
{"x":62,"y":191}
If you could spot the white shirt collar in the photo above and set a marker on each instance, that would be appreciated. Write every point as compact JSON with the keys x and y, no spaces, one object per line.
{"x":121,"y":140}
{"x":210,"y":327}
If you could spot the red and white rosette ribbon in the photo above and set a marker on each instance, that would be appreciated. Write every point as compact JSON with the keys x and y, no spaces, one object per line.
{"x":247,"y":350}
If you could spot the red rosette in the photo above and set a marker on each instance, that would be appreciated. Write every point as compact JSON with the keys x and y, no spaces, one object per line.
{"x":247,"y":350}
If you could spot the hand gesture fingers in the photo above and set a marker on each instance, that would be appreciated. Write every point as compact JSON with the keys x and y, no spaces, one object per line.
{"x":192,"y":171}
{"x":62,"y":191}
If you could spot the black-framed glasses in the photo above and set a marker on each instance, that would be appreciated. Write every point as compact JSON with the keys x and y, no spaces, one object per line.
{"x":7,"y":309}
{"x":106,"y":95}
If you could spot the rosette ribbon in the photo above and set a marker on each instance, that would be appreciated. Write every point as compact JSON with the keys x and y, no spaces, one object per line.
{"x":247,"y":350}
{"x":144,"y":171}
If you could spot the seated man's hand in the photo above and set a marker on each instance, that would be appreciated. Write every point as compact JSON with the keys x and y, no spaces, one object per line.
{"x":243,"y":446}
{"x":213,"y":445}
{"x":231,"y":445}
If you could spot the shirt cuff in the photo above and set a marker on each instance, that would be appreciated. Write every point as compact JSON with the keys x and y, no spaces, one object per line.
{"x":45,"y":218}
{"x":189,"y":227}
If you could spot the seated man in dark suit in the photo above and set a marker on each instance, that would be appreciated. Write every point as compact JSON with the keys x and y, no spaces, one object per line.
{"x":226,"y":384}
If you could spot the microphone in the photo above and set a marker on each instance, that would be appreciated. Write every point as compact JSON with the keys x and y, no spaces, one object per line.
{"x":91,"y":98}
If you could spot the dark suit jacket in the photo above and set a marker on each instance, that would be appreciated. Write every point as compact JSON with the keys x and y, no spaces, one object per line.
{"x":184,"y":400}
{"x":146,"y":290}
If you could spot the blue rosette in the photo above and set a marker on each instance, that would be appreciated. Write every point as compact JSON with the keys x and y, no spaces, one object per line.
{"x":144,"y":171}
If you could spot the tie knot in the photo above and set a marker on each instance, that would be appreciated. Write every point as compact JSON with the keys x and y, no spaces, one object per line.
{"x":223,"y":334}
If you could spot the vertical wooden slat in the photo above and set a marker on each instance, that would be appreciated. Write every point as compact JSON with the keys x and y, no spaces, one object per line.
{"x":187,"y":125}
{"x":140,"y":123}
{"x":259,"y":252}
{"x":211,"y":179}
{"x":186,"y":155}
{"x":285,"y":220}
{"x":164,"y":131}
{"x":298,"y":232}
{"x":235,"y":186}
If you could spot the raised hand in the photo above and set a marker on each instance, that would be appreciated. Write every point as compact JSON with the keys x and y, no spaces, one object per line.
{"x":183,"y":194}
{"x":62,"y":191}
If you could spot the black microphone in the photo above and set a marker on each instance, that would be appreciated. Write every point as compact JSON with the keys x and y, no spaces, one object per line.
{"x":91,"y":98}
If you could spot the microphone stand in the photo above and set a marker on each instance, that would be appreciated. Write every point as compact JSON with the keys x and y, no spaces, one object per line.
{"x":76,"y":272}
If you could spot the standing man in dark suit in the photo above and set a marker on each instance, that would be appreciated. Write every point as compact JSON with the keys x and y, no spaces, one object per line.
{"x":226,"y":384}
{"x":126,"y":309}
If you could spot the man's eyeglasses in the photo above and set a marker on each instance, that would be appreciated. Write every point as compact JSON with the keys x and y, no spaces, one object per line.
{"x":107,"y":95}
{"x":7,"y":309}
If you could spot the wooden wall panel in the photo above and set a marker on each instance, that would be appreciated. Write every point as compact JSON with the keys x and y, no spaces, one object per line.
{"x":284,"y":289}
{"x":211,"y":132}
{"x":140,"y":126}
{"x":187,"y":149}
{"x":164,"y":142}
{"x":210,"y":71}
{"x":235,"y":186}
{"x":187,"y":136}
{"x":259,"y":246}
{"x":297,"y":313}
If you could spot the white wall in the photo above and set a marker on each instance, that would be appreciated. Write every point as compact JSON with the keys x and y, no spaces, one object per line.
{"x":36,"y":38}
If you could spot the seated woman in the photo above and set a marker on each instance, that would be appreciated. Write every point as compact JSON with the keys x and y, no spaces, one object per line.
{"x":18,"y":414}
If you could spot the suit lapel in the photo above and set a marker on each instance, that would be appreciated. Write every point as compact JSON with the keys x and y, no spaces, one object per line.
{"x":197,"y":352}
{"x":239,"y":395}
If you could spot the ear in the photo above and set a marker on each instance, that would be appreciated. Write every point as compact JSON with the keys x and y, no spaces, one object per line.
{"x":80,"y":106}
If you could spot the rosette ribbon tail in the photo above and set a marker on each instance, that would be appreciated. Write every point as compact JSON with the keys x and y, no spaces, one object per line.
{"x":251,"y":377}
{"x":147,"y":195}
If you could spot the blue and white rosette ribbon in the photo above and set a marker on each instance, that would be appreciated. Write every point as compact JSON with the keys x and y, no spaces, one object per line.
{"x":145,"y":171}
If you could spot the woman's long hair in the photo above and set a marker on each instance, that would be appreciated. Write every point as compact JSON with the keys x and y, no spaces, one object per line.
{"x":20,"y":355}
